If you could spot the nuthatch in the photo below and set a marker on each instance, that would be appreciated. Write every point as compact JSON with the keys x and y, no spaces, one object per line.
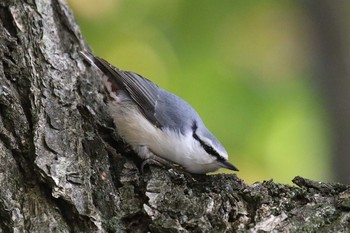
{"x":159,"y":125}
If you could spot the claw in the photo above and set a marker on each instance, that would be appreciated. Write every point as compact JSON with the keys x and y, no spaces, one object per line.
{"x":149,"y":162}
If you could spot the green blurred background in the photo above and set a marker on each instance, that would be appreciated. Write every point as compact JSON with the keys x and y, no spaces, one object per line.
{"x":243,"y":65}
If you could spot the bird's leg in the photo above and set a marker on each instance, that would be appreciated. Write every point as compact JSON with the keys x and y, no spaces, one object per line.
{"x":149,"y":162}
{"x":151,"y":158}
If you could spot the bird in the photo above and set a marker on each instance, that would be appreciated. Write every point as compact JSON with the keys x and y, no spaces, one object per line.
{"x":160,"y":126}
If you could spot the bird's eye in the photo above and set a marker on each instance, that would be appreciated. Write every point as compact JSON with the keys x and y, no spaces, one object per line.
{"x":210,"y":150}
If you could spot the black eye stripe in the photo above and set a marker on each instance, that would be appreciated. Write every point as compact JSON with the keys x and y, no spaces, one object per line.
{"x":210,"y":150}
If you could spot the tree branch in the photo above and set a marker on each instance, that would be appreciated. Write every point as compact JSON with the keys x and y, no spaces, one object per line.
{"x":64,"y":169}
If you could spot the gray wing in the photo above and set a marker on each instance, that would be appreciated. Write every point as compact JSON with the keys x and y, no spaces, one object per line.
{"x":159,"y":106}
{"x":141,"y":90}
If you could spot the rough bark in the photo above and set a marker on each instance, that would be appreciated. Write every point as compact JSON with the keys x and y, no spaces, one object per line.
{"x":64,"y":169}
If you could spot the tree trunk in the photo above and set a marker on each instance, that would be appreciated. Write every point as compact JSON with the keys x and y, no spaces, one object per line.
{"x":331,"y":38}
{"x":64,"y":169}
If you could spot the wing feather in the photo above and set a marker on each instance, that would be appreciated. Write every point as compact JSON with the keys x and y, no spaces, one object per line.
{"x":144,"y":92}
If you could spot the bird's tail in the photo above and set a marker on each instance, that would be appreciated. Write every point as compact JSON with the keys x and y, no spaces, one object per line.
{"x":111,"y":75}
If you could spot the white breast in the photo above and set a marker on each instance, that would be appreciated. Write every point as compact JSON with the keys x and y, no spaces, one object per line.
{"x":136,"y":130}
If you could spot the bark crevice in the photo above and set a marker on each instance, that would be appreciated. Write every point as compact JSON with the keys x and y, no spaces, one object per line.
{"x":64,"y":169}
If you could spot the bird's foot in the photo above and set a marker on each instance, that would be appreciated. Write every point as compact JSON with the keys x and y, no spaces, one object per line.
{"x":150,"y":162}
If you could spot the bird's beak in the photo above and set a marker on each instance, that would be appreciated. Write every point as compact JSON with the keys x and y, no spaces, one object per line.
{"x":226,"y":164}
